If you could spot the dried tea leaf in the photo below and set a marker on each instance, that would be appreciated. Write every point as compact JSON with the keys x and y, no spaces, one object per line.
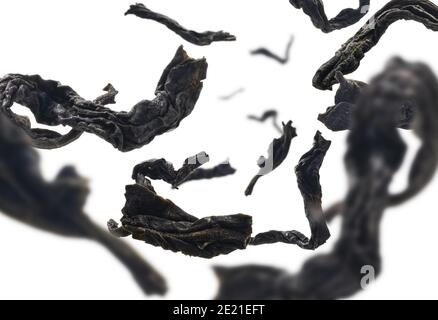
{"x":415,"y":89}
{"x":197,"y":38}
{"x":48,"y":139}
{"x":307,"y":172}
{"x":268,"y":53}
{"x":55,"y":104}
{"x":265,"y":116}
{"x":162,"y":170}
{"x":268,"y":114}
{"x":340,"y":116}
{"x":221,"y":170}
{"x":277,"y":153}
{"x":347,"y":58}
{"x":58,"y":206}
{"x":159,"y":222}
{"x":232,"y":95}
{"x":315,"y":10}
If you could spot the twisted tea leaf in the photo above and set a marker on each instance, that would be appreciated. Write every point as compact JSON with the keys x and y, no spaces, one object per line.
{"x":315,"y":10}
{"x":268,"y":53}
{"x":347,"y":58}
{"x":54,"y":104}
{"x":197,"y":38}
{"x":57,"y":206}
{"x":163,"y":170}
{"x":416,"y":90}
{"x":307,"y":172}
{"x":268,"y":114}
{"x":339,"y":117}
{"x":218,"y":171}
{"x":231,"y":95}
{"x":159,"y":222}
{"x":278,"y":151}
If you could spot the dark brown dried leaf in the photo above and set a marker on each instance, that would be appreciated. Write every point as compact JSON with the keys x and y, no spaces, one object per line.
{"x":315,"y":10}
{"x":57,"y":206}
{"x":218,"y":171}
{"x":159,"y":222}
{"x":232,"y":95}
{"x":347,"y":58}
{"x":268,"y":114}
{"x":268,"y":53}
{"x":277,"y":153}
{"x":340,"y":116}
{"x":307,"y":172}
{"x":163,"y":170}
{"x":198,"y":38}
{"x":55,"y":104}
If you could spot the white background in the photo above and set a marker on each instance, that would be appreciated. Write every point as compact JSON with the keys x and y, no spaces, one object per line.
{"x":87,"y":44}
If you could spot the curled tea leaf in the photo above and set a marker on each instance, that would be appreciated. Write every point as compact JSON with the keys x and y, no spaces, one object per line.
{"x":340,"y":116}
{"x":268,"y":114}
{"x":347,"y":58}
{"x":268,"y":53}
{"x":278,"y":151}
{"x":197,"y":38}
{"x":218,"y":171}
{"x":307,"y":172}
{"x":58,"y":206}
{"x":315,"y":10}
{"x":55,"y":104}
{"x":163,"y":170}
{"x":232,"y":95}
{"x":159,"y":222}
